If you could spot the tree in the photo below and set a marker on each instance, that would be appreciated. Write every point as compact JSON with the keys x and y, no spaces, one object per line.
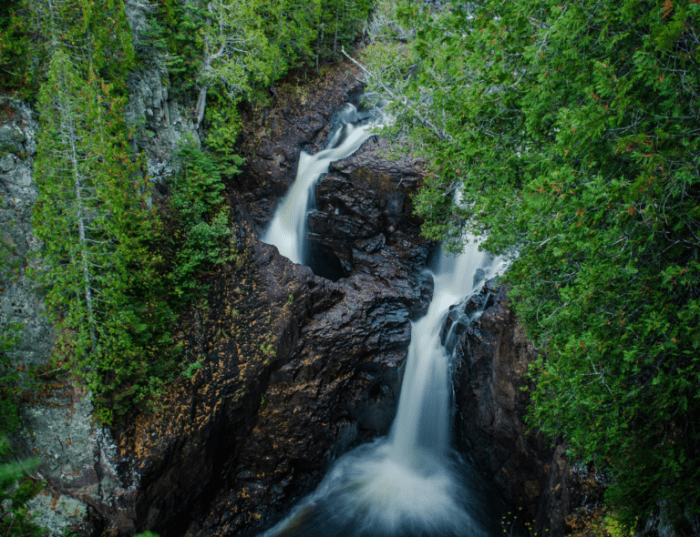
{"x":15,"y":491}
{"x":571,"y":131}
{"x":235,"y":52}
{"x":95,"y":35}
{"x":102,"y":282}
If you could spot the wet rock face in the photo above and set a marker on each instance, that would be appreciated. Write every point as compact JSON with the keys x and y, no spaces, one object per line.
{"x":490,"y":366}
{"x":364,"y":223}
{"x":305,"y":369}
{"x":339,"y":385}
{"x":340,"y":382}
{"x":273,"y":139}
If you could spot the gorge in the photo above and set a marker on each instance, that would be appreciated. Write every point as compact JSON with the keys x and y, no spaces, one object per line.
{"x":227,"y":302}
{"x":332,"y":380}
{"x":409,"y":483}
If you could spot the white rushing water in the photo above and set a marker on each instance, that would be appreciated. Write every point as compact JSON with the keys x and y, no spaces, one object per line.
{"x":409,"y":484}
{"x":422,"y":422}
{"x":287,"y":230}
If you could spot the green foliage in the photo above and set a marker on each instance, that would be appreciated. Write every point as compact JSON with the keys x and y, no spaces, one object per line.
{"x":230,"y":51}
{"x":339,"y":25}
{"x":117,"y":271}
{"x":224,"y":128}
{"x":96,"y":34}
{"x":15,"y":71}
{"x":10,"y":380}
{"x":198,"y":230}
{"x":573,"y":130}
{"x":102,"y":285}
{"x":15,"y":492}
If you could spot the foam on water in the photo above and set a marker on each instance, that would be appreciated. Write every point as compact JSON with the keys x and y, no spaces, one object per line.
{"x":369,"y":493}
{"x":410,"y":484}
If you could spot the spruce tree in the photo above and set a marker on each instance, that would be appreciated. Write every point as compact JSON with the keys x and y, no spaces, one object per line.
{"x":571,"y":132}
{"x":92,"y":216}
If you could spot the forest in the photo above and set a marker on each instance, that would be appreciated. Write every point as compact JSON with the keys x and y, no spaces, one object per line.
{"x":564,"y":135}
{"x":570,"y":131}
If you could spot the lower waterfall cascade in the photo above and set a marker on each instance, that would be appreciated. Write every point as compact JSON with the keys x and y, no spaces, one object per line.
{"x":410,"y":483}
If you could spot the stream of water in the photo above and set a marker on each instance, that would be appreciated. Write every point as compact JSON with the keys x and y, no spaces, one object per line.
{"x":410,"y":483}
{"x":287,"y":230}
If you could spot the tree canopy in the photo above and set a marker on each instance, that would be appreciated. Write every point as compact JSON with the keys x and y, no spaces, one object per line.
{"x":572,"y":131}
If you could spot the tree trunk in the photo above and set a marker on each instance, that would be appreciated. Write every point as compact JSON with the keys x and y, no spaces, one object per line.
{"x":69,"y":132}
{"x":201,"y":106}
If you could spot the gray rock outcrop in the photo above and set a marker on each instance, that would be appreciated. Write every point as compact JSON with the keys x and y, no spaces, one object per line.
{"x":57,"y":425}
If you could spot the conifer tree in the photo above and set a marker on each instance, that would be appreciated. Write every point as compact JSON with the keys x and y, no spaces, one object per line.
{"x":571,"y":132}
{"x":96,"y":228}
{"x":95,"y":35}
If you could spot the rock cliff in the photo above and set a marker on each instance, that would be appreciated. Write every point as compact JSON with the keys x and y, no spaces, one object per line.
{"x":297,"y":368}
{"x":492,"y":395}
{"x":296,"y":364}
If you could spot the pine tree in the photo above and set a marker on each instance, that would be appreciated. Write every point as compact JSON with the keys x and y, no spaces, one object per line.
{"x":92,"y":216}
{"x":571,"y":132}
{"x":96,"y":35}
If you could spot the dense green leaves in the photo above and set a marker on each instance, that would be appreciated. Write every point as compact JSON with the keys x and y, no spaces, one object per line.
{"x":199,"y":236}
{"x":15,"y":491}
{"x":101,"y":279}
{"x":10,"y":378}
{"x":573,"y":128}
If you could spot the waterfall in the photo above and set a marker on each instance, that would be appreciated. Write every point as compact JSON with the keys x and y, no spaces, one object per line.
{"x":422,"y":422}
{"x":287,"y":230}
{"x":410,"y":484}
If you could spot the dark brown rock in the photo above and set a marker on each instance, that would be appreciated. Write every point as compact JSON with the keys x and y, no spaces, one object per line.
{"x":364,"y":223}
{"x":492,"y":395}
{"x":295,"y":368}
{"x":298,"y":119}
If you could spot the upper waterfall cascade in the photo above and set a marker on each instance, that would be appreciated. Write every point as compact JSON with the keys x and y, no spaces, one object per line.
{"x":287,"y":230}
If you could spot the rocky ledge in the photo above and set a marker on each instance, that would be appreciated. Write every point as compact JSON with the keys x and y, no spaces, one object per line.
{"x":492,"y":395}
{"x":295,"y":365}
{"x":295,"y":368}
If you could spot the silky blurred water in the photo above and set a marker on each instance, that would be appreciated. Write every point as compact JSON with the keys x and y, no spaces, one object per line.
{"x":287,"y":230}
{"x":411,"y":484}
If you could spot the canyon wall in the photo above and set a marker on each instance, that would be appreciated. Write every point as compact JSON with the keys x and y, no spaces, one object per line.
{"x":531,"y":472}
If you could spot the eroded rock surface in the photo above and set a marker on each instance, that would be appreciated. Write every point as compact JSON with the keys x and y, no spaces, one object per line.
{"x":364,"y":222}
{"x":492,"y":395}
{"x":57,"y":426}
{"x":295,"y":368}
